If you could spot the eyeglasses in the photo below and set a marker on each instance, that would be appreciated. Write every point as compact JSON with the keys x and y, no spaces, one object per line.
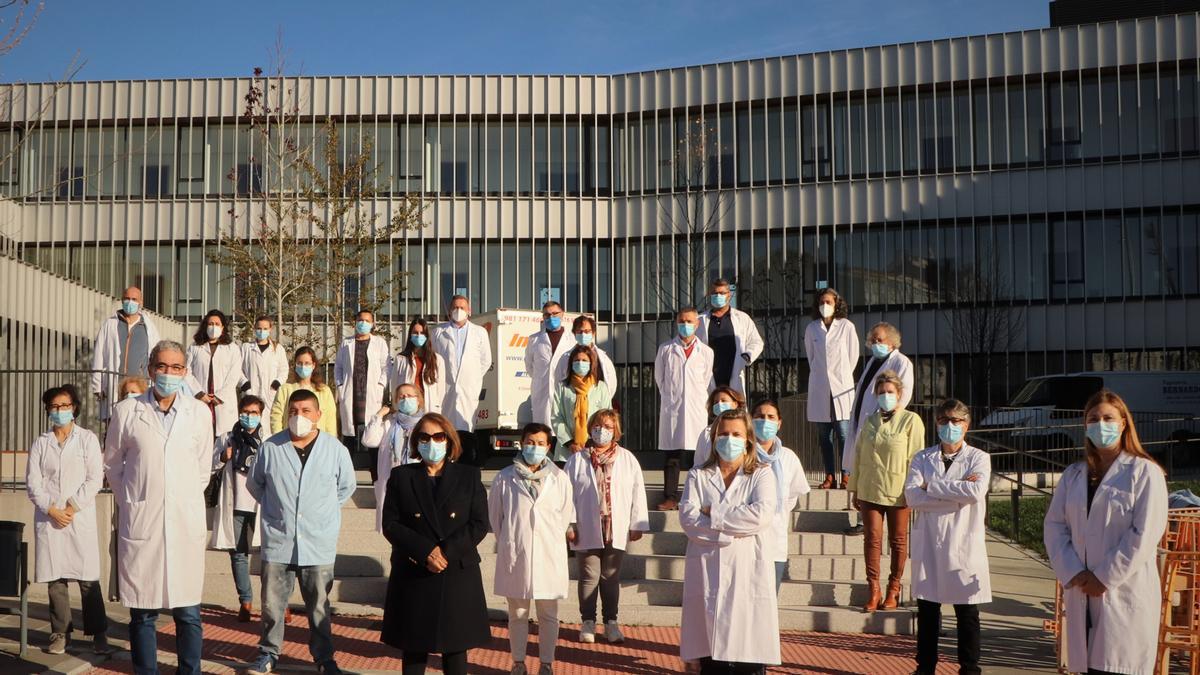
{"x":169,"y":368}
{"x":438,"y":437}
{"x":951,"y":420}
{"x":61,"y":406}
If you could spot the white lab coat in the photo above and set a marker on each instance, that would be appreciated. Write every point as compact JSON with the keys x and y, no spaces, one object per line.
{"x":628,"y":494}
{"x":158,"y":484}
{"x":106,"y":360}
{"x":729,"y":607}
{"x":224,"y":537}
{"x":703,"y":446}
{"x":53,"y":474}
{"x":831,"y":356}
{"x":904,"y":369}
{"x":379,"y":370}
{"x":606,"y":366}
{"x":464,"y":380}
{"x":795,"y":484}
{"x":749,"y":342}
{"x":392,"y":440}
{"x":541,"y":362}
{"x":684,"y":383}
{"x":226,"y":363}
{"x":949,"y":551}
{"x":404,"y":372}
{"x":261,"y":368}
{"x":1118,"y":542}
{"x":531,"y":560}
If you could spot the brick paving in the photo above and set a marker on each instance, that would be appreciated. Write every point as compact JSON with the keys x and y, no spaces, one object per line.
{"x":647,"y":650}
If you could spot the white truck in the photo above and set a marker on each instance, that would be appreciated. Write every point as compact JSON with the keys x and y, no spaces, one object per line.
{"x":504,"y":406}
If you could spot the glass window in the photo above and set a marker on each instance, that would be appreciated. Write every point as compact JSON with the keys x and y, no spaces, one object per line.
{"x":874,"y":137}
{"x":928,"y":132}
{"x":494,"y":154}
{"x":618,"y":156}
{"x":1152,"y":248}
{"x":1110,"y":128}
{"x":980,"y":119}
{"x":791,"y":143}
{"x":604,"y":166}
{"x":841,"y":167}
{"x":1148,"y":114}
{"x":412,"y":175}
{"x":908,"y":129}
{"x":998,"y":118}
{"x":891,"y":133}
{"x":682,"y":153}
{"x":572,"y":159}
{"x":1131,"y":244}
{"x":650,"y":155}
{"x":446,"y":147}
{"x":432,"y":163}
{"x":1054,"y":118}
{"x":962,"y":127}
{"x":706,"y":130}
{"x":1168,"y":113}
{"x":808,"y":126}
{"x":1016,"y":125}
{"x":1189,"y":121}
{"x":510,"y":155}
{"x":774,"y":143}
{"x":635,"y":156}
{"x":1071,"y":142}
{"x":1129,"y":112}
{"x":1067,"y":259}
{"x":666,"y":153}
{"x":945,"y":132}
{"x":192,"y":157}
{"x":1092,"y":143}
{"x":153,"y":161}
{"x":727,"y":148}
{"x":743,"y":148}
{"x":1170,"y":254}
{"x":556,"y":158}
{"x":541,"y":158}
{"x":526,"y":164}
{"x":463,"y":138}
{"x":1035,"y":122}
{"x":824,"y":164}
{"x":1189,"y":253}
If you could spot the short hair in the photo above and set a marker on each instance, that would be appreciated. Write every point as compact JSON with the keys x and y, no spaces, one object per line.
{"x":731,"y":392}
{"x":953,"y":407}
{"x":364,"y":310}
{"x":607,"y":414}
{"x":888,"y":377}
{"x":766,"y":402}
{"x":251,"y":399}
{"x":457,"y":296}
{"x":577,"y":324}
{"x":721,"y":282}
{"x":68,"y":389}
{"x":840,"y":309}
{"x":751,"y":463}
{"x":551,"y":303}
{"x":420,"y":395}
{"x":453,"y":443}
{"x":686,"y":309}
{"x":264,"y":317}
{"x":125,"y":383}
{"x":892,"y":333}
{"x":301,"y":395}
{"x":165,"y":346}
{"x":536,"y":428}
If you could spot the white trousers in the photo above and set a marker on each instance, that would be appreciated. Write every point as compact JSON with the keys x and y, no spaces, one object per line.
{"x":518,"y":628}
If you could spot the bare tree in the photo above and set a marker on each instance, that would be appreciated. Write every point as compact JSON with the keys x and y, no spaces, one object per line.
{"x":773,"y":286}
{"x":984,"y":326}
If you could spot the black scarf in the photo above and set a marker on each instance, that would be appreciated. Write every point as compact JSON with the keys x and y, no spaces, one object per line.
{"x":245,"y":445}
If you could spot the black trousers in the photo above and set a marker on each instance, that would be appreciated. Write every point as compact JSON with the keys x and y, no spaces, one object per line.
{"x":671,"y":468}
{"x":929,"y":626}
{"x":413,"y":663}
{"x":710,"y":667}
{"x":470,"y":448}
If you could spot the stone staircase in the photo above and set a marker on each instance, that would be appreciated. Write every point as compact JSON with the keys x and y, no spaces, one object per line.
{"x":822,"y":589}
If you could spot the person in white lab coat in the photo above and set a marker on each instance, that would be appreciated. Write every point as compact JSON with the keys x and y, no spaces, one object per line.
{"x":610,"y":512}
{"x":361,"y":371}
{"x":132,"y":387}
{"x":719,"y":400}
{"x":388,"y":433}
{"x":418,"y":364}
{"x":732,"y":335}
{"x":683,"y":371}
{"x":1102,"y":531}
{"x":530,"y":509}
{"x":264,"y":364}
{"x":235,"y":519}
{"x":947,"y":488}
{"x":121,"y":349}
{"x":583,"y":328}
{"x":545,"y":349}
{"x":790,"y":481}
{"x":63,"y":473}
{"x":158,"y":457}
{"x":463,"y":348}
{"x":582,"y":394}
{"x":730,"y":614}
{"x":215,"y":366}
{"x":831,"y":345}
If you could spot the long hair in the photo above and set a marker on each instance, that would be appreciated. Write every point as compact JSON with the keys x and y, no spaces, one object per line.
{"x":750,"y":462}
{"x":840,"y":309}
{"x":596,"y":373}
{"x":317,"y":378}
{"x":1129,"y":441}
{"x":453,"y":444}
{"x":201,"y":336}
{"x":429,"y":369}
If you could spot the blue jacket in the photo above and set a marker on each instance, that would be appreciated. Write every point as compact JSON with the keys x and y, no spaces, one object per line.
{"x":301,"y":511}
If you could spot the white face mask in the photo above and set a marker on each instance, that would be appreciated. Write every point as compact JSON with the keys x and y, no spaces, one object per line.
{"x":826,"y":311}
{"x":214,"y":332}
{"x":300,"y":426}
{"x":458,"y":315}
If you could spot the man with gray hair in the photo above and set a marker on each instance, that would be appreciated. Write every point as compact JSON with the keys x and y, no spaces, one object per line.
{"x":121,"y":349}
{"x":157,"y":457}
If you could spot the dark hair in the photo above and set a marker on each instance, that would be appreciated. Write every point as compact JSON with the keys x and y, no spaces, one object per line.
{"x":301,"y":395}
{"x":68,"y":389}
{"x":536,"y":428}
{"x":317,"y":378}
{"x":551,"y":303}
{"x":264,"y":317}
{"x":429,"y":371}
{"x":686,"y":309}
{"x":764,"y":403}
{"x":736,"y":395}
{"x":453,"y":443}
{"x":840,"y":309}
{"x":251,"y":399}
{"x":720,"y":282}
{"x":364,"y":310}
{"x":597,"y":372}
{"x":201,"y":336}
{"x":456,"y":297}
{"x":577,"y":324}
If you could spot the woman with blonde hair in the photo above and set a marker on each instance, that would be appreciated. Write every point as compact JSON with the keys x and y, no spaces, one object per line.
{"x":719,"y":400}
{"x":306,"y":374}
{"x":1102,"y":530}
{"x":388,"y":431}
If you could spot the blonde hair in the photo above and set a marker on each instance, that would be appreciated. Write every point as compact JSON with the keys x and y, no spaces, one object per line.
{"x":889,"y":377}
{"x":416,"y":390}
{"x":1129,"y":441}
{"x":610,"y":415}
{"x":891,"y":332}
{"x":127,"y":382}
{"x":750,"y":464}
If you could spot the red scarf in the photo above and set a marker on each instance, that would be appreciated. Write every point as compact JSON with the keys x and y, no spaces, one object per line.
{"x":602,"y":465}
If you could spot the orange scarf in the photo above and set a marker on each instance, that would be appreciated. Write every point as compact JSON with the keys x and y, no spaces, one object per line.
{"x":581,"y":386}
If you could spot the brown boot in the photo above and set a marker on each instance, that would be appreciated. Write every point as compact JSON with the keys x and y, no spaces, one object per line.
{"x":244,"y":612}
{"x":874,"y":599}
{"x":668,"y":504}
{"x":829,"y":482}
{"x":892,"y":601}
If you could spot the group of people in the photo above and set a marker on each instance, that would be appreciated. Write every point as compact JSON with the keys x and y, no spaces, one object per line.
{"x":269,"y":444}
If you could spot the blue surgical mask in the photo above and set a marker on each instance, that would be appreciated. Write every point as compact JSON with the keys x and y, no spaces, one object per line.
{"x":584,"y":339}
{"x":533,"y":454}
{"x":262,"y":334}
{"x":721,"y":406}
{"x":765,"y":430}
{"x":167,"y":384}
{"x":249,"y":422}
{"x":362,"y":327}
{"x":717,"y":300}
{"x":407,"y":405}
{"x":686,"y":330}
{"x":880,"y":350}
{"x":132,"y":394}
{"x":304,"y":372}
{"x":1104,"y":434}
{"x":730,"y":448}
{"x":418,"y":339}
{"x":432,"y":451}
{"x":887,"y":402}
{"x":950,"y":433}
{"x":130,"y":306}
{"x":61,"y":418}
{"x":553,"y":322}
{"x":581,"y":368}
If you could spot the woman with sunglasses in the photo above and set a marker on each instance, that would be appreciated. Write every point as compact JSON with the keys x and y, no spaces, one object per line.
{"x":434,"y":515}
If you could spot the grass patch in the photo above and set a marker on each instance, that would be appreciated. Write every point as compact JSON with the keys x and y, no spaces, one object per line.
{"x":1029,"y":528}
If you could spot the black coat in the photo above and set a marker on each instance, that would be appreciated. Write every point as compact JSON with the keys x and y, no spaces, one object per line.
{"x":427,"y":612}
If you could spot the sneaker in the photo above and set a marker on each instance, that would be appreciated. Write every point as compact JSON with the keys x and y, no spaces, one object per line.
{"x":854,"y":531}
{"x":263,"y":665}
{"x":587,"y":632}
{"x":518,"y":669}
{"x":612,"y":632}
{"x":100,"y":645}
{"x":330,"y":667}
{"x":546,"y":669}
{"x":58,"y":644}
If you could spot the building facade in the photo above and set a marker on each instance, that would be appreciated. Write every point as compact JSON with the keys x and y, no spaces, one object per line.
{"x":1017,"y":204}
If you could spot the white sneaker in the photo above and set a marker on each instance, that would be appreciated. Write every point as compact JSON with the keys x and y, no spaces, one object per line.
{"x":587,"y":632}
{"x":612,"y":632}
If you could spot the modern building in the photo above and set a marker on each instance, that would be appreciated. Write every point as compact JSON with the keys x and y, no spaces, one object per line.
{"x":1018,"y":204}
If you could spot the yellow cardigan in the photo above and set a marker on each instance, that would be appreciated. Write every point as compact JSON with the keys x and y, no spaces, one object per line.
{"x":329,"y":416}
{"x":884,"y":450}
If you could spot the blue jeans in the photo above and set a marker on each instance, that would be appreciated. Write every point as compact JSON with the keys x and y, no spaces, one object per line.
{"x":315,"y":584}
{"x":826,"y":434}
{"x":239,"y":556}
{"x":780,"y":570}
{"x":143,"y":639}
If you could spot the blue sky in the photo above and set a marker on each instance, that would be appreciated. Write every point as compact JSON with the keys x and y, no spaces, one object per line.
{"x":139,"y":39}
